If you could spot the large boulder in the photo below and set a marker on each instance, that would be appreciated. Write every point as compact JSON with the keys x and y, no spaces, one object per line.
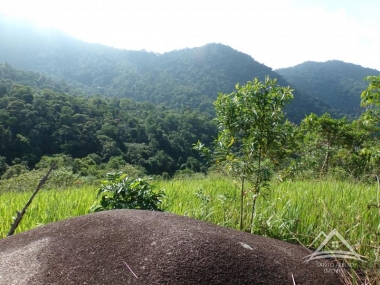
{"x":144,"y":247}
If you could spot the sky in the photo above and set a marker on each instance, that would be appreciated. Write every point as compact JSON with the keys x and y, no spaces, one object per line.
{"x":277,"y":33}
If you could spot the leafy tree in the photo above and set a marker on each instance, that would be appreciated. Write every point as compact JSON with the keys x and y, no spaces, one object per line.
{"x":370,"y":119}
{"x":371,"y":101}
{"x":3,"y":165}
{"x":23,"y":93}
{"x":252,"y":128}
{"x":327,"y":143}
{"x":372,"y":94}
{"x":3,"y":90}
{"x":330,"y":131}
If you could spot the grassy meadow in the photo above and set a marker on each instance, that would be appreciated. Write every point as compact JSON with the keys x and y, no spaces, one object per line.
{"x":295,"y":211}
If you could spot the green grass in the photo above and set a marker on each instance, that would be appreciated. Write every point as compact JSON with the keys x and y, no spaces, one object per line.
{"x":47,"y":207}
{"x":292,"y":211}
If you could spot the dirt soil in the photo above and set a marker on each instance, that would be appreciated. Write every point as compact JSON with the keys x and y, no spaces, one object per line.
{"x":145,"y":247}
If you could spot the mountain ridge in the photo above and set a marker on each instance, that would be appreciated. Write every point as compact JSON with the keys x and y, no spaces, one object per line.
{"x":337,"y":82}
{"x":189,"y":77}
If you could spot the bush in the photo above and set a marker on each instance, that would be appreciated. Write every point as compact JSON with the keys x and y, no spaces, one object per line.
{"x":14,"y":171}
{"x":121,"y":192}
{"x":63,"y":178}
{"x":25,"y":182}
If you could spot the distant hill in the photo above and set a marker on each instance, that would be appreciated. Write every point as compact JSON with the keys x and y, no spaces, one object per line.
{"x":334,"y":82}
{"x":37,"y":81}
{"x":182,"y":78}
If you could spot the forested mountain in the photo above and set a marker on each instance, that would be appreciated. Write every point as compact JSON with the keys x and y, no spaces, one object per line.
{"x":37,"y":122}
{"x":334,"y":82}
{"x":97,"y":105}
{"x":182,"y":78}
{"x":10,"y":76}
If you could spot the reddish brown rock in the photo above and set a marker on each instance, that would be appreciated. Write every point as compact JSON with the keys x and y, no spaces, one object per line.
{"x":144,"y":247}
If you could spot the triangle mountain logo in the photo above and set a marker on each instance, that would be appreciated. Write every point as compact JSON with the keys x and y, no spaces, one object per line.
{"x":333,"y":240}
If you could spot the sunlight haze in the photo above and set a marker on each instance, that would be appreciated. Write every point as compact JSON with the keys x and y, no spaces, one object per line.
{"x":277,"y":33}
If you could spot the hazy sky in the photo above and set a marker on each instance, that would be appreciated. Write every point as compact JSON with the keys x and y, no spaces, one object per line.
{"x":277,"y":33}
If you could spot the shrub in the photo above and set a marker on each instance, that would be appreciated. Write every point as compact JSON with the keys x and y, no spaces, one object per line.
{"x":14,"y":171}
{"x":121,"y":192}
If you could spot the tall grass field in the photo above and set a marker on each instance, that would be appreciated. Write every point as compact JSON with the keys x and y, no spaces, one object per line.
{"x":292,"y":211}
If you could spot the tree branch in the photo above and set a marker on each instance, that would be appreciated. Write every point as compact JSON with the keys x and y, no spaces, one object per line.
{"x":21,"y":214}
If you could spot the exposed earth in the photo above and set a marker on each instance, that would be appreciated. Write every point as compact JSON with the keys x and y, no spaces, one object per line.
{"x":144,"y":247}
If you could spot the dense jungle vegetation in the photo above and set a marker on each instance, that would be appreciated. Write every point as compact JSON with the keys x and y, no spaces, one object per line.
{"x":41,"y":118}
{"x":92,"y":104}
{"x":93,"y":129}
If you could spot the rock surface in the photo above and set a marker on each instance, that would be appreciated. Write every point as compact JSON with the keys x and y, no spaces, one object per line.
{"x":144,"y":247}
